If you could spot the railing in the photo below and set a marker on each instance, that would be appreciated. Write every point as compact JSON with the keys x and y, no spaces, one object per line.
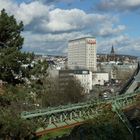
{"x":124,"y":119}
{"x":59,"y":109}
{"x":71,"y":115}
{"x":130,"y":80}
{"x":92,"y":103}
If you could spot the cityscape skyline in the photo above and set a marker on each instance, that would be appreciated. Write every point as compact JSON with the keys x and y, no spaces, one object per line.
{"x":50,"y":24}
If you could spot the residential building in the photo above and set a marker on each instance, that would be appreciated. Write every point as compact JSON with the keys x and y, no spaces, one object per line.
{"x":84,"y":77}
{"x":82,"y":54}
{"x":115,"y":69}
{"x":100,"y":78}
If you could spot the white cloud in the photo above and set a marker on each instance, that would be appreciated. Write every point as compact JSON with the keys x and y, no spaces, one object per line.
{"x":53,"y":37}
{"x":123,"y":5}
{"x":123,"y":44}
{"x":132,"y":45}
{"x":38,"y":17}
{"x":9,"y":5}
{"x":50,"y":43}
{"x":28,"y":12}
{"x":54,"y":1}
{"x":104,"y":45}
{"x":47,"y":29}
{"x":76,"y":19}
{"x":109,"y":30}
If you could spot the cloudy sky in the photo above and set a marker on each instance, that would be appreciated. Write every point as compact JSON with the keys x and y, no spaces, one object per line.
{"x":49,"y":24}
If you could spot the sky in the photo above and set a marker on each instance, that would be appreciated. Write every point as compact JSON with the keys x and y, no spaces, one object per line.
{"x":50,"y":24}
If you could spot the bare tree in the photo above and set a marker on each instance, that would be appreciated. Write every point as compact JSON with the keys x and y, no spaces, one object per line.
{"x":73,"y":92}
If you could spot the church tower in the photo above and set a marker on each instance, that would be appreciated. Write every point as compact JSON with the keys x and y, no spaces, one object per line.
{"x":112,"y":54}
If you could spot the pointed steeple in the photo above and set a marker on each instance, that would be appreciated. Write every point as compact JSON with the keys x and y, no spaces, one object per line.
{"x":112,"y":51}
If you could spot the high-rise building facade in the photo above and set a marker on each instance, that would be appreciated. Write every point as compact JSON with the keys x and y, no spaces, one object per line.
{"x":82,"y":53}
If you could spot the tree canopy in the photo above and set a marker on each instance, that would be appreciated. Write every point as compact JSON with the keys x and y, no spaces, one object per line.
{"x":11,"y":41}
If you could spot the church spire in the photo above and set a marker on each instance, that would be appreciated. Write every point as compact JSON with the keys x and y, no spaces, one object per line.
{"x":112,"y":51}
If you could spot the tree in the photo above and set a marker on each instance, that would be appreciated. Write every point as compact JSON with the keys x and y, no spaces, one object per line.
{"x":12,"y":127}
{"x":73,"y":91}
{"x":50,"y":93}
{"x":40,"y":69}
{"x":11,"y":41}
{"x":10,"y":31}
{"x":124,"y":75}
{"x":13,"y":101}
{"x":105,"y":126}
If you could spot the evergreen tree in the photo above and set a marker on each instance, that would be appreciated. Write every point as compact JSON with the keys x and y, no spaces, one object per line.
{"x":11,"y":43}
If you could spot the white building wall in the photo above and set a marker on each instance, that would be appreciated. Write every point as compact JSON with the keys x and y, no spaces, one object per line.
{"x":107,"y":67}
{"x":100,"y":78}
{"x":82,"y":54}
{"x":91,"y":54}
{"x":85,"y":80}
{"x":83,"y":76}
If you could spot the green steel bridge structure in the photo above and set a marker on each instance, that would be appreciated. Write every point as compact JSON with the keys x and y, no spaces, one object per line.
{"x":61,"y":117}
{"x":75,"y":114}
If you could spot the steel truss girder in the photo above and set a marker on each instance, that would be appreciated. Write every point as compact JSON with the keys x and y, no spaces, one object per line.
{"x":66,"y":115}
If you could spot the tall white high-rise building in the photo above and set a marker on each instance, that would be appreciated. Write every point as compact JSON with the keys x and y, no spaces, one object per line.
{"x":82,"y":53}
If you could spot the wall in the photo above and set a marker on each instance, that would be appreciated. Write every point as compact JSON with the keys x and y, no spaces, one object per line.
{"x":100,"y":78}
